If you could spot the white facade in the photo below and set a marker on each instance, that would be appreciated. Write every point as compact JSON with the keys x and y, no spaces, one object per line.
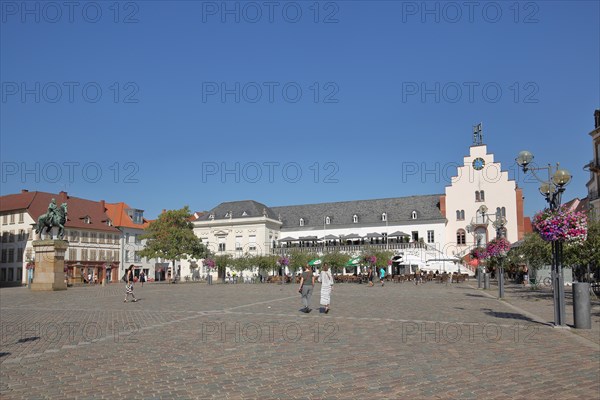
{"x":15,"y":245}
{"x":480,"y":181}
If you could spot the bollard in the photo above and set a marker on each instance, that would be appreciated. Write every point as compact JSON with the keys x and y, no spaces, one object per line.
{"x":582,"y":315}
{"x":478,"y":278}
{"x":486,"y":281}
{"x":209,"y":279}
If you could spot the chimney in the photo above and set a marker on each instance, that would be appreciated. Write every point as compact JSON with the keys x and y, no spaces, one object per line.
{"x":596,"y":119}
{"x":102,"y":203}
{"x":24,"y":191}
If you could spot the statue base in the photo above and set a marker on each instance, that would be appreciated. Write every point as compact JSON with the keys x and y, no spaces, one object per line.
{"x":49,"y":273}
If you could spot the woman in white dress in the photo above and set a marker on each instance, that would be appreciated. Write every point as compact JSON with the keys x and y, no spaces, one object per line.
{"x":326,"y":280}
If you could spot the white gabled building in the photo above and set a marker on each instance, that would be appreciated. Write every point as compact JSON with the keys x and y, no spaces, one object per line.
{"x":481,"y":184}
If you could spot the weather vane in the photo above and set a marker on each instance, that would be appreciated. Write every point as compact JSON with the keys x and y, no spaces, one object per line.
{"x":478,"y":134}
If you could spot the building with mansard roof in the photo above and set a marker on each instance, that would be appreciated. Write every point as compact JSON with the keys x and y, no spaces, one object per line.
{"x":94,"y":243}
{"x":593,"y":185}
{"x":480,"y":203}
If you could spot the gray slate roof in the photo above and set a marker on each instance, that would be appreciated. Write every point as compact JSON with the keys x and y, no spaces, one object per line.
{"x":251,"y":208}
{"x":398,"y":209}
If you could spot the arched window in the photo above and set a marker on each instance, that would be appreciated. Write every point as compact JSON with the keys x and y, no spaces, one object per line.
{"x":462,"y":215}
{"x":414,"y":215}
{"x":461,"y":237}
{"x":458,"y":215}
{"x":384,"y":217}
{"x":503,"y":212}
{"x":301,"y":221}
{"x":482,"y":195}
{"x":327,"y":221}
{"x":477,"y":198}
{"x":355,"y":218}
{"x":498,"y":212}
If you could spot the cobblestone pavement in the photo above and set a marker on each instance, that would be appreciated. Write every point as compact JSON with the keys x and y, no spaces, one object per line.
{"x":431,"y":341}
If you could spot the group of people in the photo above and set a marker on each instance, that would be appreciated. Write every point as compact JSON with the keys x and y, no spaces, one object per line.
{"x":307,"y":283}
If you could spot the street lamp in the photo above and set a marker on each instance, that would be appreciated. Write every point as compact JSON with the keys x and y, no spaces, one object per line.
{"x":498,"y":223}
{"x":552,"y":190}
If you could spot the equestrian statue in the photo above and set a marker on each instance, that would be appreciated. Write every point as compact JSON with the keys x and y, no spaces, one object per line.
{"x":55,"y":216}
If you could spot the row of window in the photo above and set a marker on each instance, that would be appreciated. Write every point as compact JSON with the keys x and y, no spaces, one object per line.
{"x":11,"y":255}
{"x":500,"y":211}
{"x":8,"y":274}
{"x":480,"y":236}
{"x":10,"y":237}
{"x":10,"y":218}
{"x":413,"y":215}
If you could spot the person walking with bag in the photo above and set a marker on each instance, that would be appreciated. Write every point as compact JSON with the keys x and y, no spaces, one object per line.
{"x":128,"y":278}
{"x":326,"y":280}
{"x":307,"y":283}
{"x":142,"y":278}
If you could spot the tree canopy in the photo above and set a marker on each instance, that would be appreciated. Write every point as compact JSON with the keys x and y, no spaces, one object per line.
{"x":171,"y":237}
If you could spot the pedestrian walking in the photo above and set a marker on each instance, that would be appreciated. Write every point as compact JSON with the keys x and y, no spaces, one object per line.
{"x":142,"y":278}
{"x":326,"y":280}
{"x":307,"y":283}
{"x":381,"y":275}
{"x":370,"y":276}
{"x":129,"y":284}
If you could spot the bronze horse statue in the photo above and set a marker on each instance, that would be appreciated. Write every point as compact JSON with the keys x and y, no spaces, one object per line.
{"x":58,"y":218}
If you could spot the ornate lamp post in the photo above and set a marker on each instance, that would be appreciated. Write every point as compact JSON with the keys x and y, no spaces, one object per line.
{"x":552,"y":190}
{"x":498,"y":223}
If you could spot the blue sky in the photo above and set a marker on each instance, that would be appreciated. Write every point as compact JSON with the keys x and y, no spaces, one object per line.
{"x":165,"y":104}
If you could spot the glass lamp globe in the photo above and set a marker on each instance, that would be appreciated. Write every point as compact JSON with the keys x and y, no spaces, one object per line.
{"x":524,"y":158}
{"x":561,"y":177}
{"x":547,"y":188}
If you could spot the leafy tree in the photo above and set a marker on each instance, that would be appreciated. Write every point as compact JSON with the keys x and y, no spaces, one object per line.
{"x":535,"y":251}
{"x":336,"y":260}
{"x":298,"y":260}
{"x":223,"y":261}
{"x":171,"y":237}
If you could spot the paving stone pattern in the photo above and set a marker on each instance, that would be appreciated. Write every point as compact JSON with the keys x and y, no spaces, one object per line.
{"x":432,"y":341}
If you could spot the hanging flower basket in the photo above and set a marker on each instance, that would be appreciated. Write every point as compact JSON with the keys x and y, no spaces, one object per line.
{"x":497,"y":248}
{"x":561,"y":225}
{"x":30,"y":266}
{"x":479,"y":253}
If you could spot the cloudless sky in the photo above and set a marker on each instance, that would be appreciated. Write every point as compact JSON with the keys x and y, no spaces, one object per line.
{"x":164,"y":104}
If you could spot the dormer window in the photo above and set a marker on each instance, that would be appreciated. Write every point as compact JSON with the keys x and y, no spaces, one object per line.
{"x":327,"y":221}
{"x":384,"y":217}
{"x":413,"y":215}
{"x":355,"y":218}
{"x":109,"y":222}
{"x":228,"y":215}
{"x":301,"y":221}
{"x":211,"y":216}
{"x":87,"y":219}
{"x":244,"y":214}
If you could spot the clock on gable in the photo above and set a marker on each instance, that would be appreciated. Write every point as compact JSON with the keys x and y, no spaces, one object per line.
{"x":478,"y":163}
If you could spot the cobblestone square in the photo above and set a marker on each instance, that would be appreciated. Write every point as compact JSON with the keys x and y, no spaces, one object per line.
{"x":432,"y":341}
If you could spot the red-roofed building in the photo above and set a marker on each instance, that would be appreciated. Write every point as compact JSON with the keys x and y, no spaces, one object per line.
{"x":132,"y":224}
{"x":94,"y":243}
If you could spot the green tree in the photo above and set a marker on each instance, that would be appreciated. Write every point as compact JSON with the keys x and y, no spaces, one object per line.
{"x":298,"y":260}
{"x":223,"y":261}
{"x":535,"y":251}
{"x":171,"y":237}
{"x":336,"y":260}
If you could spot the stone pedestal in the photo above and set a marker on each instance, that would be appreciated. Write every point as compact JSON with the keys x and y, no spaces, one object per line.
{"x":49,"y":265}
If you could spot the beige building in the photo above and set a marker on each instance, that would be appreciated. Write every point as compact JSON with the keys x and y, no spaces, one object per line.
{"x":593,"y":184}
{"x":94,"y":244}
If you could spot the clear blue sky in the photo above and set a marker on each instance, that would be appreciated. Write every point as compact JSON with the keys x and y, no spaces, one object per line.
{"x":386,"y":87}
